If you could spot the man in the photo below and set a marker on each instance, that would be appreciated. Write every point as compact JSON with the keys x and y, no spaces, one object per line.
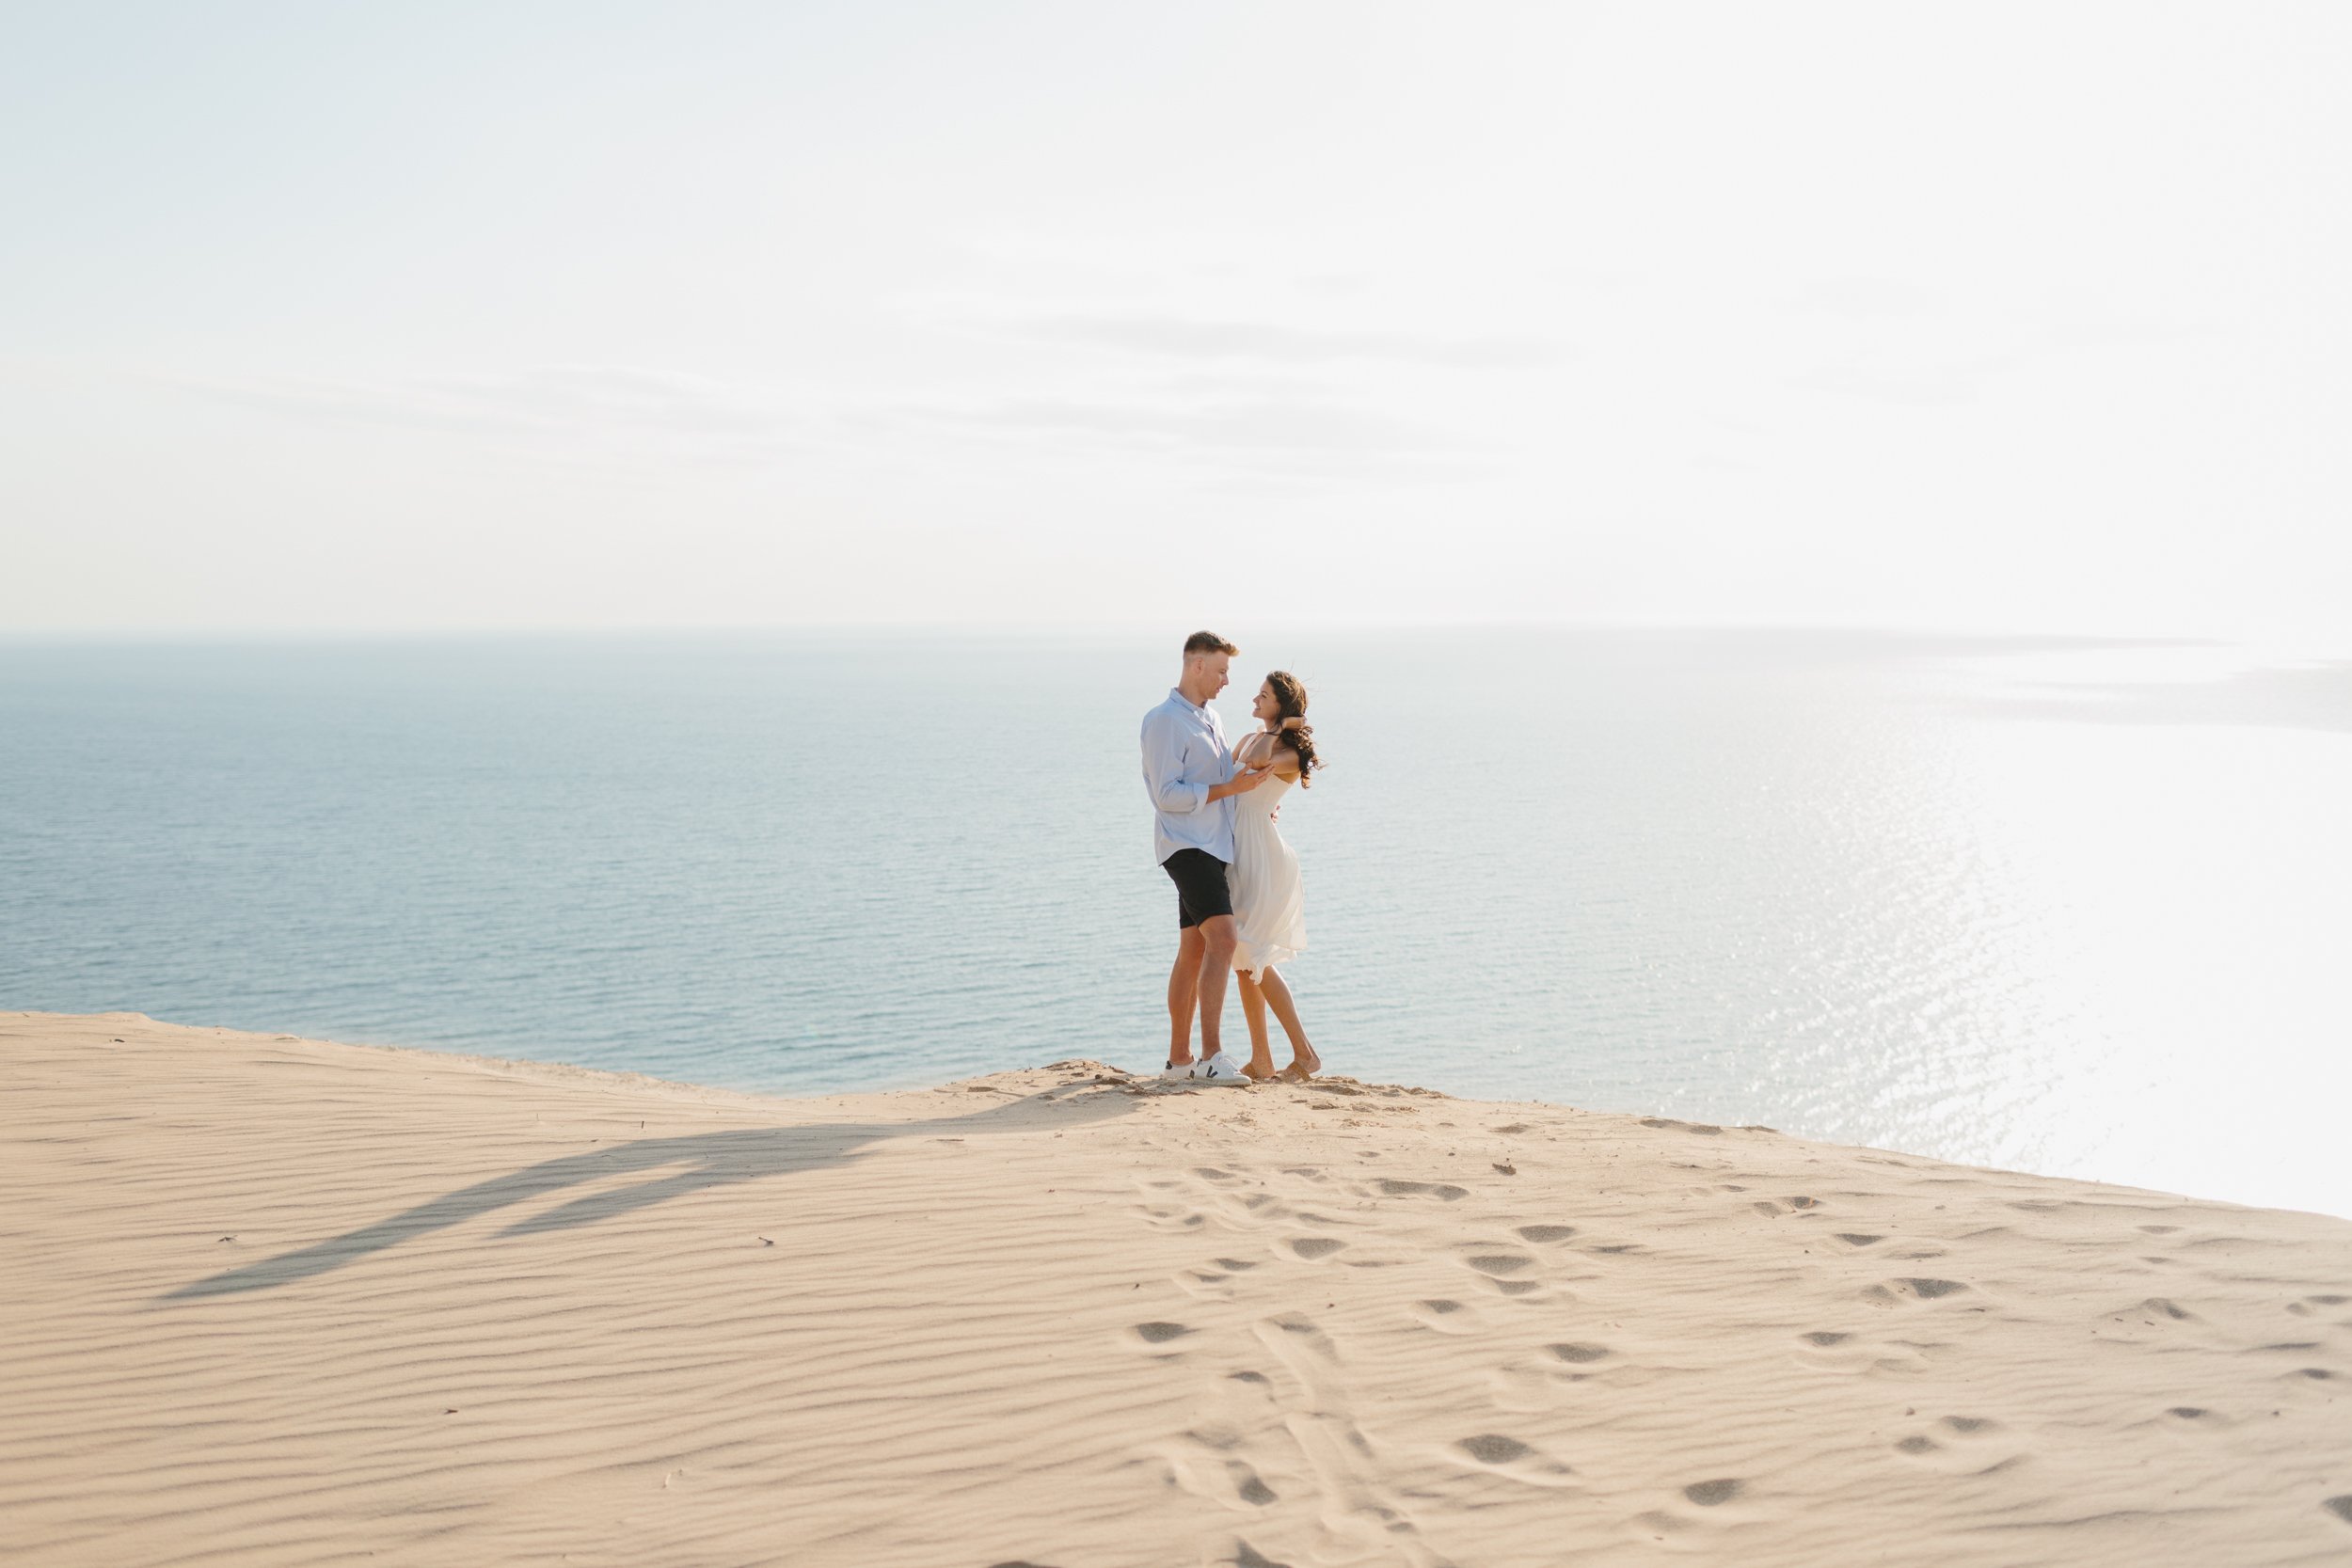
{"x":1189,"y":771}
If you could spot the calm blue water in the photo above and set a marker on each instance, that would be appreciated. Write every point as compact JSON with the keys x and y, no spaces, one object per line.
{"x":2069,"y":907}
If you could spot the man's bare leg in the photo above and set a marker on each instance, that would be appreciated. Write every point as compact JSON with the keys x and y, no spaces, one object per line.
{"x":1278,"y":994}
{"x":1184,"y":993}
{"x":1216,"y":961}
{"x":1253,"y":1009}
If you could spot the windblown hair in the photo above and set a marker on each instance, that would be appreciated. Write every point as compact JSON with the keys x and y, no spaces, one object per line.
{"x":1207,"y":642}
{"x":1292,"y":729}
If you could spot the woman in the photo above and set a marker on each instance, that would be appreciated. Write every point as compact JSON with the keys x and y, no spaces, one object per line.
{"x":1270,"y":898}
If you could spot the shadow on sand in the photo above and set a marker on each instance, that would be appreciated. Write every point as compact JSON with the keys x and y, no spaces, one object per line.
{"x":708,"y":1160}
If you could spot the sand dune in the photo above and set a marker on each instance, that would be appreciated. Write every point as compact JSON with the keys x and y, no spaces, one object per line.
{"x":269,"y":1301}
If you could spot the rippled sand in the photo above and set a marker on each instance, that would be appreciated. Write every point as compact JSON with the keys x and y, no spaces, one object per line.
{"x":275,"y":1301}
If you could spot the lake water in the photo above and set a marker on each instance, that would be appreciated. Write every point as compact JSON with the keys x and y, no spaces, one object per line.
{"x":2073,"y":908}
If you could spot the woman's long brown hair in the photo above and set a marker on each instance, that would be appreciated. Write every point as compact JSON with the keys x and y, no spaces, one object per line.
{"x":1290,"y":697}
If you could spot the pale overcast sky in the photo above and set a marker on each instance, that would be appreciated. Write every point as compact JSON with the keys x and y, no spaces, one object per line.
{"x":420,"y":316}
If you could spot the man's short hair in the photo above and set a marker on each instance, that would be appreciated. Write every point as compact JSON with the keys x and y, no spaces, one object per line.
{"x":1207,"y":642}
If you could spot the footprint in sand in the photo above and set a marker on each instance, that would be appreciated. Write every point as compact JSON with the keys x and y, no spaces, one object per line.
{"x":1239,"y":1413}
{"x":1445,"y":1190}
{"x":1893,"y":1292}
{"x":1954,"y":1441}
{"x":1299,"y":1329}
{"x":1661,"y":1523}
{"x":1208,"y":1283}
{"x":1504,"y":1455}
{"x":1835,"y":1350}
{"x":1546,"y":1235}
{"x":1499,"y":1270}
{"x":2340,"y":1507}
{"x":1238,"y":1477}
{"x":1159,"y":1334}
{"x":1496,"y":1264}
{"x":1522,"y":1389}
{"x":2303,"y":1309}
{"x":1576,"y":1361}
{"x":1247,"y":1484}
{"x":1315,"y":1248}
{"x":1446,"y":1317}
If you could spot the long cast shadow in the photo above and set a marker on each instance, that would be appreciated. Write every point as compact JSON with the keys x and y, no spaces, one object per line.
{"x":712,"y":1160}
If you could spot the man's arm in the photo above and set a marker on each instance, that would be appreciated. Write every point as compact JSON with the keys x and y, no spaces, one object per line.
{"x":1240,"y":783}
{"x":1163,"y":767}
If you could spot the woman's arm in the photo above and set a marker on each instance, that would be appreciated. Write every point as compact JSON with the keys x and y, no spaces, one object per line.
{"x":1264,"y":751}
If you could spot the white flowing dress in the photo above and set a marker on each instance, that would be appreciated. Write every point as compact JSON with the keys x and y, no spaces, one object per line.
{"x":1269,"y":896}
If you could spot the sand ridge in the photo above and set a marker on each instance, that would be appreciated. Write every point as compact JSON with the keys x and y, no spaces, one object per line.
{"x":277,"y":1301}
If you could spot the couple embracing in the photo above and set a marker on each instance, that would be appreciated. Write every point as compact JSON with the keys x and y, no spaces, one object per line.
{"x":1240,"y":903}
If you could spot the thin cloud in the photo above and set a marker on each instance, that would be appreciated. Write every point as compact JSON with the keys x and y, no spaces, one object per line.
{"x":1902,"y":383}
{"x":600,"y":402}
{"x":1867,"y":298}
{"x":1204,"y":337}
{"x":1305,"y":439}
{"x":1254,"y":426}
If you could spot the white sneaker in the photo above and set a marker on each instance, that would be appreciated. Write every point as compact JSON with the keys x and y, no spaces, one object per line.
{"x":1223,"y":1070}
{"x":1177,"y":1072}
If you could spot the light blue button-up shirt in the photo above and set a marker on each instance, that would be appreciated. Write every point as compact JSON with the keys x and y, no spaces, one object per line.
{"x":1184,"y":754}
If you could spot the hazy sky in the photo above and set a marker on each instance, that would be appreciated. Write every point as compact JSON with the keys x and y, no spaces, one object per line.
{"x":417,"y":315}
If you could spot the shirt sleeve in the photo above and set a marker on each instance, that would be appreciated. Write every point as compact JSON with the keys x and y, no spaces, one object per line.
{"x":1164,"y":767}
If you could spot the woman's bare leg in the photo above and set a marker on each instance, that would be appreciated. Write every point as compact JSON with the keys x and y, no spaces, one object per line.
{"x":1253,"y":1008}
{"x":1276,"y":993}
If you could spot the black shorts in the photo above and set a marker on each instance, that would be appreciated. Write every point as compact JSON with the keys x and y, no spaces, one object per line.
{"x":1200,"y":891}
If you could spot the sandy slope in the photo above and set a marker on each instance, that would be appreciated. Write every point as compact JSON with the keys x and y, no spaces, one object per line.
{"x":271,"y":1301}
